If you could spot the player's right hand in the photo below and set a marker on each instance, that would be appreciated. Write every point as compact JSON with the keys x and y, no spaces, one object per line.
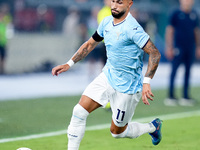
{"x":59,"y":69}
{"x":169,"y":53}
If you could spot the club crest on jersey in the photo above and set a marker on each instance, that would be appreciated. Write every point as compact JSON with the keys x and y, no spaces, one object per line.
{"x":118,"y":34}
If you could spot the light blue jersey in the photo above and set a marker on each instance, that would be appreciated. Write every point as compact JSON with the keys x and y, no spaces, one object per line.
{"x":123,"y":43}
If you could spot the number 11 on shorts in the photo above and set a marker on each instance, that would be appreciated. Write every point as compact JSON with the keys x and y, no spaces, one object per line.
{"x":120,"y":114}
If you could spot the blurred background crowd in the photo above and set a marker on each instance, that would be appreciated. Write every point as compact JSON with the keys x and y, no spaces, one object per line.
{"x":43,"y":33}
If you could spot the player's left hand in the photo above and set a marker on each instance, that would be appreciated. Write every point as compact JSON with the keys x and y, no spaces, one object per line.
{"x":147,"y":94}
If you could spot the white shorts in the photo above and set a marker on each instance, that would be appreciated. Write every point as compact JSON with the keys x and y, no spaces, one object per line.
{"x":122,"y":105}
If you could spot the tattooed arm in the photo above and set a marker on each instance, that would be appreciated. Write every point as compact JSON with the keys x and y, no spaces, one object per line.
{"x":154,"y":58}
{"x":81,"y":53}
{"x":84,"y":50}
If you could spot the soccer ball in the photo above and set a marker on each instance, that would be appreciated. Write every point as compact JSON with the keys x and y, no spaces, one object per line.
{"x":23,"y":148}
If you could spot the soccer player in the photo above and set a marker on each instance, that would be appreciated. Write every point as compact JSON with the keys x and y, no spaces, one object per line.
{"x":182,"y":37}
{"x":121,"y":81}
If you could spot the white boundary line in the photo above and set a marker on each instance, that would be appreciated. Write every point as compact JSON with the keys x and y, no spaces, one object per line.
{"x":104,"y":126}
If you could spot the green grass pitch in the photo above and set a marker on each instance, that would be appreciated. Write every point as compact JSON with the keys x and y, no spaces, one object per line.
{"x":26,"y":117}
{"x":178,"y":134}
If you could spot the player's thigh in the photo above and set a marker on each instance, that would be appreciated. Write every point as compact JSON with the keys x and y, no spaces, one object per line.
{"x":96,"y":93}
{"x":123,"y":107}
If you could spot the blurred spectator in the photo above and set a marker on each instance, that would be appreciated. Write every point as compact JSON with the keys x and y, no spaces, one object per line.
{"x":71,"y":22}
{"x":41,"y":18}
{"x":26,"y":19}
{"x":71,"y":27}
{"x":92,"y":23}
{"x":182,"y":37}
{"x":19,"y":5}
{"x":45,"y":18}
{"x":151,"y":29}
{"x":95,"y":56}
{"x":5,"y":21}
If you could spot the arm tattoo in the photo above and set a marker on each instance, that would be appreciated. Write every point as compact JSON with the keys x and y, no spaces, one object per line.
{"x":84,"y":50}
{"x":80,"y":55}
{"x":154,"y":58}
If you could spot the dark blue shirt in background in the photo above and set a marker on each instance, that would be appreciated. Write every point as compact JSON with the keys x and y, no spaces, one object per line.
{"x":184,"y":25}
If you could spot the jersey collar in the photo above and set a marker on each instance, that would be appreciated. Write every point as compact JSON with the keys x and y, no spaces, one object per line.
{"x":121,"y":21}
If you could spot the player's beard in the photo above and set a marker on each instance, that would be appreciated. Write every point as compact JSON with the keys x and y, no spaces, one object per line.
{"x":119,"y":15}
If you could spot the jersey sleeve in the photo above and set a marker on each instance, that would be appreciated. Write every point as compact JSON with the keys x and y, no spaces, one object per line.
{"x":138,"y":35}
{"x":101,"y":29}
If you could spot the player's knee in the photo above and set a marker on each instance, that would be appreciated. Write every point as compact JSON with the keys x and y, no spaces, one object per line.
{"x":79,"y":114}
{"x":80,"y":111}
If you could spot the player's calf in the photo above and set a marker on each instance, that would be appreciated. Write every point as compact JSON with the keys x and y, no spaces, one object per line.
{"x":76,"y":129}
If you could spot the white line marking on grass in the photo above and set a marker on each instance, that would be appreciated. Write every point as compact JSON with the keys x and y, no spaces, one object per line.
{"x":34,"y":136}
{"x":104,"y":126}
